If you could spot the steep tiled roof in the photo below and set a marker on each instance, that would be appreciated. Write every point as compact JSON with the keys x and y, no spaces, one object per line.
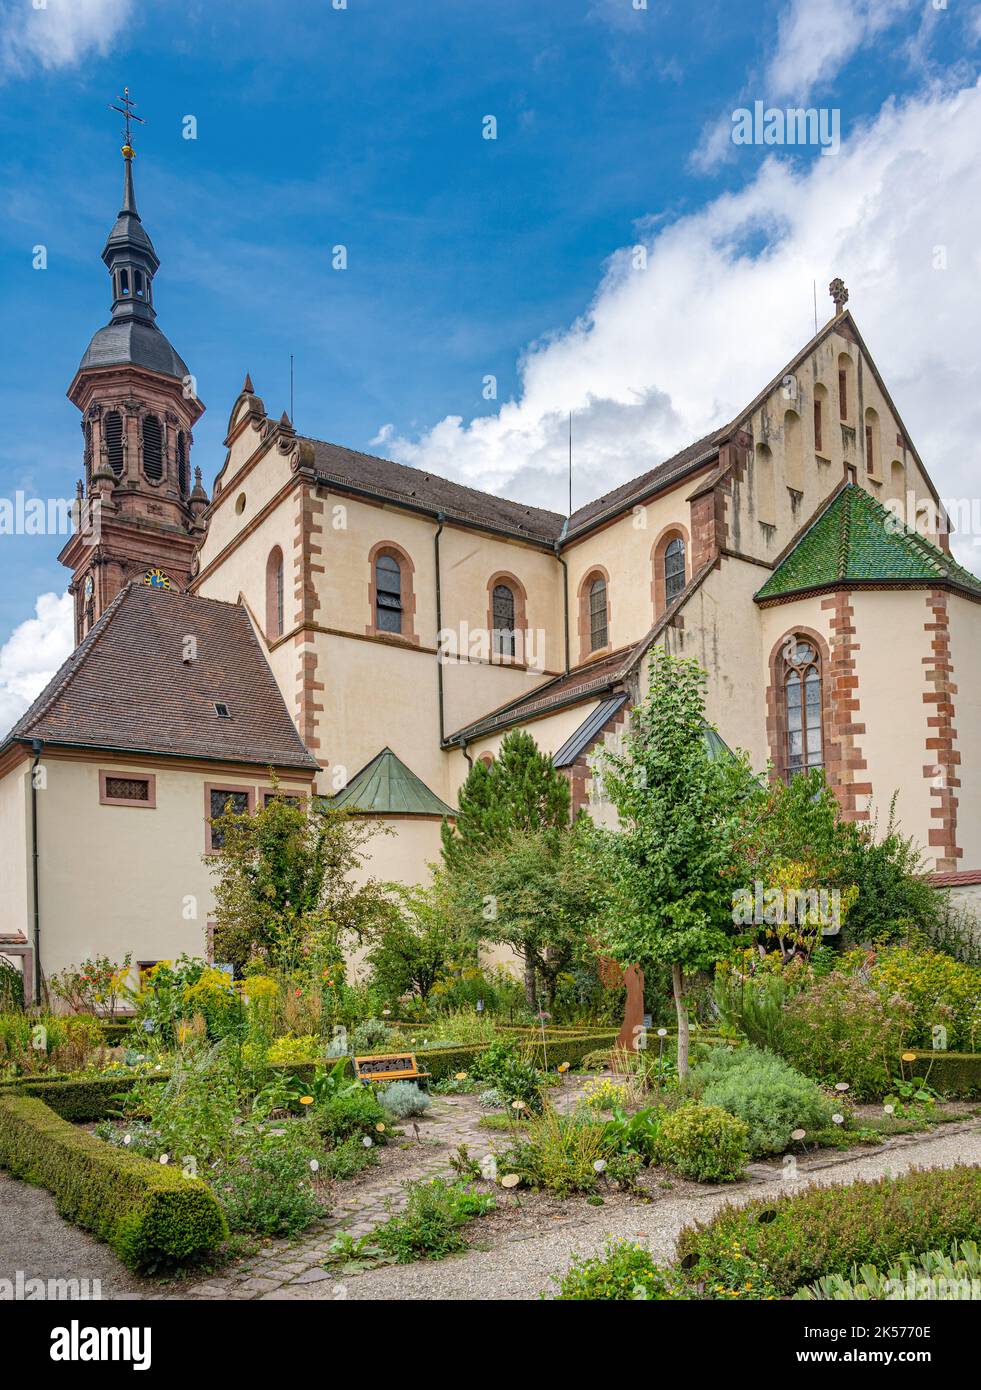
{"x":383,"y":478}
{"x":856,"y":539}
{"x":127,"y":687}
{"x":385,"y":786}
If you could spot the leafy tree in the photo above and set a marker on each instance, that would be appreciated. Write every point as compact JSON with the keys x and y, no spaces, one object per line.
{"x":668,"y":868}
{"x":413,"y":945}
{"x":285,"y":876}
{"x":519,"y":793}
{"x":894,"y":895}
{"x":540,"y":898}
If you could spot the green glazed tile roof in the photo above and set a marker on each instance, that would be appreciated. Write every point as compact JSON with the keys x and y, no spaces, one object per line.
{"x":856,"y":538}
{"x":387,"y":787}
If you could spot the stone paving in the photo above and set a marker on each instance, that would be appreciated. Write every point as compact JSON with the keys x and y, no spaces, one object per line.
{"x":369,"y":1200}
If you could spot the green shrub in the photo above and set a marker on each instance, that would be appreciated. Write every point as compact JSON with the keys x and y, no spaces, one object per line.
{"x":949,"y":1073}
{"x":766,"y":1092}
{"x":506,"y":1071}
{"x":151,"y":1215}
{"x":11,"y":988}
{"x":559,"y":1153}
{"x":623,"y":1272}
{"x":939,"y":990}
{"x":353,"y":1112}
{"x":371,"y":1036}
{"x":934,"y":1275}
{"x":267,"y":1187}
{"x":348,"y":1159}
{"x":841,"y":1029}
{"x":194,"y":1111}
{"x":826,"y":1230}
{"x":431,"y":1226}
{"x":83,"y":1099}
{"x":703,"y":1142}
{"x":404,"y":1098}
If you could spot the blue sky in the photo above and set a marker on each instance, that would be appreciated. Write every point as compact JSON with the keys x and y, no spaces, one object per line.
{"x":362,"y":126}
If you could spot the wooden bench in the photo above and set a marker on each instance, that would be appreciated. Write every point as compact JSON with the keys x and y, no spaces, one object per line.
{"x":389,"y":1066}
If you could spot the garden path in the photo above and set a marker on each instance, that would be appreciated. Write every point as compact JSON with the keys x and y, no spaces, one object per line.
{"x":516,"y":1264}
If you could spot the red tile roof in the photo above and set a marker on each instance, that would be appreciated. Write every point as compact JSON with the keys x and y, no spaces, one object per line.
{"x":127,"y":687}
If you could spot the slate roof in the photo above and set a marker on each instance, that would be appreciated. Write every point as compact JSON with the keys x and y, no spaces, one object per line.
{"x":856,"y":539}
{"x":125,"y":687}
{"x":136,"y":342}
{"x":576,"y":743}
{"x":385,"y":786}
{"x":402,"y":483}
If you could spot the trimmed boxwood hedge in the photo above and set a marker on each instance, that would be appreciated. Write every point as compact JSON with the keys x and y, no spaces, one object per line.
{"x":84,"y":1099}
{"x":825,"y":1230}
{"x":151,"y":1215}
{"x":950,"y":1073}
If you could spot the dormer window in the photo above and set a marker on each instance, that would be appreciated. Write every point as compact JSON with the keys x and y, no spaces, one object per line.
{"x":222,"y":710}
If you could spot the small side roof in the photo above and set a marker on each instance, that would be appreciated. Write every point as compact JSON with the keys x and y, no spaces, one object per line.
{"x":386,"y":787}
{"x":855,"y":539}
{"x":128,"y":688}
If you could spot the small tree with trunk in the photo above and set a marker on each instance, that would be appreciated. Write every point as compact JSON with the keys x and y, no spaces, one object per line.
{"x":668,"y":868}
{"x":289,"y":873}
{"x":518,"y":793}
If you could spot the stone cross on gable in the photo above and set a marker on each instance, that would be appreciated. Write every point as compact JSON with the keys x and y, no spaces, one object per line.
{"x":839,"y":294}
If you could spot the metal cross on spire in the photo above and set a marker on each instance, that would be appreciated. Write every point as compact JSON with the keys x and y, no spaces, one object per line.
{"x":130,"y":115}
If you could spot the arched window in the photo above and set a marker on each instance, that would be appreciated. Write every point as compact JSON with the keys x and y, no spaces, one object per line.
{"x":388,"y":594}
{"x":275,"y":594}
{"x":871,"y":441}
{"x":123,"y":283}
{"x":182,"y":462}
{"x":152,"y":448}
{"x":674,"y":569}
{"x":846,"y":385}
{"x":793,"y":450}
{"x":599,"y":634}
{"x":802,"y":705}
{"x":88,"y":452}
{"x":820,"y":416}
{"x":766,"y":505}
{"x":113,"y":430}
{"x":503,"y":614}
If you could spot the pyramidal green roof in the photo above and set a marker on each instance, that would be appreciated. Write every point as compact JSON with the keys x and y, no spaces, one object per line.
{"x":385,"y":786}
{"x":857,"y":539}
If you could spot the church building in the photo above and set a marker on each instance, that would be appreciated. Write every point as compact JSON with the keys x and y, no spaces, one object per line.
{"x":364,"y":631}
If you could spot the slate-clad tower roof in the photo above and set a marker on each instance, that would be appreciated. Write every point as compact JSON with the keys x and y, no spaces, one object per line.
{"x":132,"y":336}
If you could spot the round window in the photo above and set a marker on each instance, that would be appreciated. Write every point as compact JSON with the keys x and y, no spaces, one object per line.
{"x":240,"y":503}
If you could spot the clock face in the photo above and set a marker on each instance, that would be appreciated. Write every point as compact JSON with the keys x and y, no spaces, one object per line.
{"x":157,"y":579}
{"x":88,"y":588}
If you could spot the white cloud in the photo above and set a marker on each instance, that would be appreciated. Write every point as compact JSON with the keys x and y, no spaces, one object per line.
{"x":814,"y":42}
{"x":662,"y":355}
{"x":32,"y":654}
{"x":58,"y":34}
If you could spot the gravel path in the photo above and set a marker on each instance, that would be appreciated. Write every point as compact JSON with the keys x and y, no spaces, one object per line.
{"x":35,"y":1240}
{"x":512,"y":1265}
{"x":521,"y":1269}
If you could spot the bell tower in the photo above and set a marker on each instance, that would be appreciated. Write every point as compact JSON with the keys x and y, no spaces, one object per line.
{"x":140,"y":515}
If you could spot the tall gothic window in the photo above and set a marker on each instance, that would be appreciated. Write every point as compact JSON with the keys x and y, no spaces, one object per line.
{"x":674,"y":569}
{"x":802,"y":706}
{"x":88,"y":453}
{"x":388,"y":594}
{"x":503,"y":605}
{"x":275,"y":593}
{"x":113,"y":431}
{"x":152,"y":448}
{"x":598,"y":632}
